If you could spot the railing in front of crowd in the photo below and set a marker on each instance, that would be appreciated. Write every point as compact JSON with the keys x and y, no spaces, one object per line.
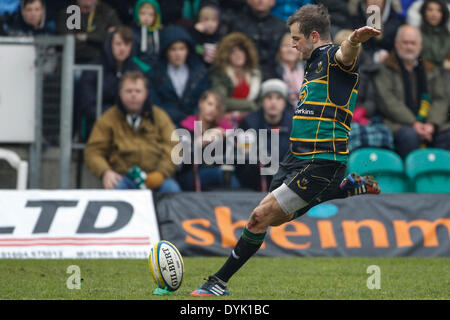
{"x":68,"y":69}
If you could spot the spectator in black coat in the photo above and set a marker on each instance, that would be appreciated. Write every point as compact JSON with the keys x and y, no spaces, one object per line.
{"x":32,"y":20}
{"x":339,"y":15}
{"x":264,"y":30}
{"x":179,"y":78}
{"x":205,"y":33}
{"x":273,"y":115}
{"x":229,"y":9}
{"x":171,"y":11}
{"x":124,"y":9}
{"x":97,"y":20}
{"x":378,"y":47}
{"x":117,"y":59}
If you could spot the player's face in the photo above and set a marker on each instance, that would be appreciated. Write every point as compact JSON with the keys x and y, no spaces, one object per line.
{"x":133,"y":95}
{"x":433,"y":14}
{"x":273,"y":104}
{"x":177,"y":53}
{"x":120,"y":49}
{"x":299,"y":41}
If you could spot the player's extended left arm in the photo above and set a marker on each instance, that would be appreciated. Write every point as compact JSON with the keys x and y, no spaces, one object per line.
{"x":350,"y":47}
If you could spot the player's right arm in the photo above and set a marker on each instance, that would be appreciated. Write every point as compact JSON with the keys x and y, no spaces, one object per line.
{"x":350,"y":47}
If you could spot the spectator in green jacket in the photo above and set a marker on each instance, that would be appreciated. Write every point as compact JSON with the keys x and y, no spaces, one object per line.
{"x":146,"y":29}
{"x":436,"y":38}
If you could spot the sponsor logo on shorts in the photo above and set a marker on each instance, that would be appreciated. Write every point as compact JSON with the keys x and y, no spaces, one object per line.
{"x":302,"y":184}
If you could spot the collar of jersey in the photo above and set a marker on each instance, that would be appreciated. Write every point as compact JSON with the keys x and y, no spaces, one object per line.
{"x":317,"y":52}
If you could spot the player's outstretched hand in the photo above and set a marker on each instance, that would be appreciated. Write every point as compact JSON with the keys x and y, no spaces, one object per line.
{"x":363,"y":34}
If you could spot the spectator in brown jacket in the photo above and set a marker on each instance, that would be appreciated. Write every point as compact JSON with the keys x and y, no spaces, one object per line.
{"x":133,"y":137}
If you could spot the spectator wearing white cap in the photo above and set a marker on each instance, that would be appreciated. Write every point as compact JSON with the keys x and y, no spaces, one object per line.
{"x":273,"y":115}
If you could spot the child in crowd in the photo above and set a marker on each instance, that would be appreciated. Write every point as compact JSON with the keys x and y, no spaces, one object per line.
{"x":206,"y":33}
{"x":206,"y":127}
{"x":146,"y":27}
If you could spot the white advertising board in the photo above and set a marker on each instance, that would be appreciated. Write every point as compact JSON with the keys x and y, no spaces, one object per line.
{"x":17,"y":93}
{"x":77,"y":224}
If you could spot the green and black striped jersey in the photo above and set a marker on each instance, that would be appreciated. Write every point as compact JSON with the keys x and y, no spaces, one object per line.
{"x":321,"y":123}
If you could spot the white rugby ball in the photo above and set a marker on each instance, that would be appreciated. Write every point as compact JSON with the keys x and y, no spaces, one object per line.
{"x":166,"y":265}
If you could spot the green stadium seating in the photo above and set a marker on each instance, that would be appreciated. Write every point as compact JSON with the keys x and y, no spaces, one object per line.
{"x":429,"y":170}
{"x":384,"y":165}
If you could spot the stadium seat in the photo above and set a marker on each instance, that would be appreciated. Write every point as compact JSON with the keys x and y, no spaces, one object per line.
{"x":20,"y":165}
{"x":384,"y":165}
{"x":429,"y":170}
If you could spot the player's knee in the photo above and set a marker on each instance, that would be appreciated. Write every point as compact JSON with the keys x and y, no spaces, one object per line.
{"x":259,"y":220}
{"x":259,"y":214}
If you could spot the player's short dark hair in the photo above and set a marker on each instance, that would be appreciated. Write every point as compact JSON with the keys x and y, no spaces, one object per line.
{"x":311,"y":18}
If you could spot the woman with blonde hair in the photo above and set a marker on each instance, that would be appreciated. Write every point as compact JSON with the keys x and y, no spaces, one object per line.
{"x":235,"y":73}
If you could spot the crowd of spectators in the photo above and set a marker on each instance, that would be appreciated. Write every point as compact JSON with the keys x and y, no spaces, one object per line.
{"x":229,"y":64}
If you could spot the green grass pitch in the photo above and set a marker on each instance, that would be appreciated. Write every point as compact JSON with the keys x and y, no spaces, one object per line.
{"x":261,"y":278}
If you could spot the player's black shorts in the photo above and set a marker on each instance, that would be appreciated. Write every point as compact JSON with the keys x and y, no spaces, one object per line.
{"x":313,"y":180}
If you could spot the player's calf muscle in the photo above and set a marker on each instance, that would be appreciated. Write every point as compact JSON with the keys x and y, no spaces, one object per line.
{"x":282,"y":219}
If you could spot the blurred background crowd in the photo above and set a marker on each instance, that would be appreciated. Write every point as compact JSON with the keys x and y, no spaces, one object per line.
{"x":229,"y":64}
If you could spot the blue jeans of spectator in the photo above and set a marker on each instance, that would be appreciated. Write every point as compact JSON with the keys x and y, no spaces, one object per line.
{"x":210,"y":177}
{"x":406,"y":140}
{"x":442,"y":140}
{"x":168,"y":185}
